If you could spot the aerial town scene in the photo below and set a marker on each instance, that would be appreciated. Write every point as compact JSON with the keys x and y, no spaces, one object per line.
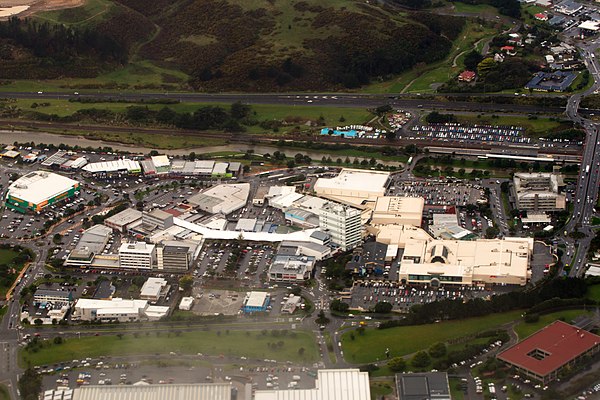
{"x":299,"y":200}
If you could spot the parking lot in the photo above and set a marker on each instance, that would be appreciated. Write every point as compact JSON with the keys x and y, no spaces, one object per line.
{"x":173,"y":369}
{"x":455,"y":132}
{"x":248,"y":264}
{"x":438,"y":193}
{"x":365,"y":294}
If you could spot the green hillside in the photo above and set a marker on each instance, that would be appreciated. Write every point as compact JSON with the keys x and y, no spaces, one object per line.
{"x":240,"y":45}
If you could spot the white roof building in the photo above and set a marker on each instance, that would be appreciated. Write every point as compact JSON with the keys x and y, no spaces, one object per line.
{"x":40,"y":186}
{"x":194,"y":391}
{"x":152,"y":288}
{"x":223,"y":199}
{"x":109,"y":310}
{"x":186,"y":303}
{"x":113,"y":166}
{"x":161,"y":161}
{"x":331,"y":384}
{"x":398,"y":210}
{"x":353,"y":186}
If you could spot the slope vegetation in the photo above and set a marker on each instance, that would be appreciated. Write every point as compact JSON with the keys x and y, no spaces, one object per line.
{"x":262,"y":45}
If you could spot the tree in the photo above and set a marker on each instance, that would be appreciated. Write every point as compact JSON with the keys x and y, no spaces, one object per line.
{"x":471,"y":60}
{"x":301,"y":351}
{"x":120,"y":335}
{"x":485,"y":66}
{"x":338,"y":305}
{"x":437,"y":350}
{"x":420,"y":360}
{"x":186,"y":282}
{"x":383,"y":307}
{"x":30,"y":385}
{"x":397,"y":364}
{"x":491,"y":232}
{"x":291,"y":164}
{"x":58,"y":340}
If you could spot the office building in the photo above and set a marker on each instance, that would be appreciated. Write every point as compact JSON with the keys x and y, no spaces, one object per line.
{"x":121,"y":221}
{"x":138,"y":255}
{"x":342,"y":223}
{"x":156,"y":219}
{"x":539,"y":192}
{"x":174,"y":256}
{"x":556,"y":347}
{"x":92,"y":243}
{"x":256,"y":302}
{"x":36,"y":190}
{"x":109,"y":310}
{"x":153,"y":289}
{"x":291,"y":268}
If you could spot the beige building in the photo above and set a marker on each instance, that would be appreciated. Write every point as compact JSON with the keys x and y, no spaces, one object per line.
{"x":353,"y":187}
{"x":539,"y":192}
{"x":398,"y":210}
{"x":433,"y":261}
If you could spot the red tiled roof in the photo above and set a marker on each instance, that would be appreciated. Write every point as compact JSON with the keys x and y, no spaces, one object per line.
{"x":467,"y":75}
{"x":559,"y":341}
{"x":173,"y":212}
{"x":507,"y":48}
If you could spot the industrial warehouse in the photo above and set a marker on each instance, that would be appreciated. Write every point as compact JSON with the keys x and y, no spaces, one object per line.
{"x":39,"y":189}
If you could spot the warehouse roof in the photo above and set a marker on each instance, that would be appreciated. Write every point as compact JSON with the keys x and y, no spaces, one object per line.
{"x":113,"y":166}
{"x":331,"y":384}
{"x":550,"y":348}
{"x":124,"y":217}
{"x":39,"y":186}
{"x":195,"y":391}
{"x":355,"y":180}
{"x":224,"y":198}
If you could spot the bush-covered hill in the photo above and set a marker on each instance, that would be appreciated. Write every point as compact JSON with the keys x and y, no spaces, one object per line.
{"x":262,"y":45}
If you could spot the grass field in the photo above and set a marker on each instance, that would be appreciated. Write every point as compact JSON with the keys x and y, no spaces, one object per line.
{"x":4,"y":395}
{"x":381,"y":388}
{"x":593,"y":292}
{"x":6,"y":256}
{"x":409,"y":339}
{"x":474,"y":8}
{"x":524,"y":329}
{"x":294,"y":118}
{"x":421,"y":79}
{"x":238,"y":343}
{"x":91,"y":12}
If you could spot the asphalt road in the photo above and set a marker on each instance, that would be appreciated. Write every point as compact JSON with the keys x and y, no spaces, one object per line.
{"x":313,"y":99}
{"x":589,"y":176}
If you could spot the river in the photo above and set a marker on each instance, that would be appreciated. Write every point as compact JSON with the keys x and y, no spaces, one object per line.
{"x":9,"y":137}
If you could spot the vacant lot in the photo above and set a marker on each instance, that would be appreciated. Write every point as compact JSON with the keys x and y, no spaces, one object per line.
{"x":525,"y":329}
{"x":252,"y":344}
{"x":409,"y":339}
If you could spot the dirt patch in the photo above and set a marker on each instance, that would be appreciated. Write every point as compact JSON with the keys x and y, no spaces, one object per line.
{"x":41,"y":5}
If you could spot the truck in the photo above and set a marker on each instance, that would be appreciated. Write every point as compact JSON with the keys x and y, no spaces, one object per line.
{"x":587,"y":168}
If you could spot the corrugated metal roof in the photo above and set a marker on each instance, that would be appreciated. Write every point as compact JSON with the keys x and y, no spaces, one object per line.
{"x":201,"y":391}
{"x":332,"y":384}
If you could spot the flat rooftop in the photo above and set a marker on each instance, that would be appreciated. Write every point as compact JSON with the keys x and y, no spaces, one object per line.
{"x":194,"y":391}
{"x":423,"y":386}
{"x":550,"y":348}
{"x":256,"y":299}
{"x":39,"y":186}
{"x":124,"y":217}
{"x":355,"y":180}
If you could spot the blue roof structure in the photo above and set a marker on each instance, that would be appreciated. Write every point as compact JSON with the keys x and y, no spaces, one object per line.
{"x":557,"y":81}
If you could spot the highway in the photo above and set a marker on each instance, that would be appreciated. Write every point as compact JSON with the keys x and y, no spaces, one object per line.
{"x":589,"y":176}
{"x":311,"y":100}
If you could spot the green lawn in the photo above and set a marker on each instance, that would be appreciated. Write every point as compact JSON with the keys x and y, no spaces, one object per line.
{"x":410,"y":339}
{"x":7,"y":255}
{"x":456,"y":394}
{"x":4,"y":395}
{"x":381,"y":388}
{"x":474,"y":8}
{"x":293,"y":118}
{"x":252,"y":345}
{"x":420,"y":79}
{"x":593,"y":292}
{"x":524,"y":329}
